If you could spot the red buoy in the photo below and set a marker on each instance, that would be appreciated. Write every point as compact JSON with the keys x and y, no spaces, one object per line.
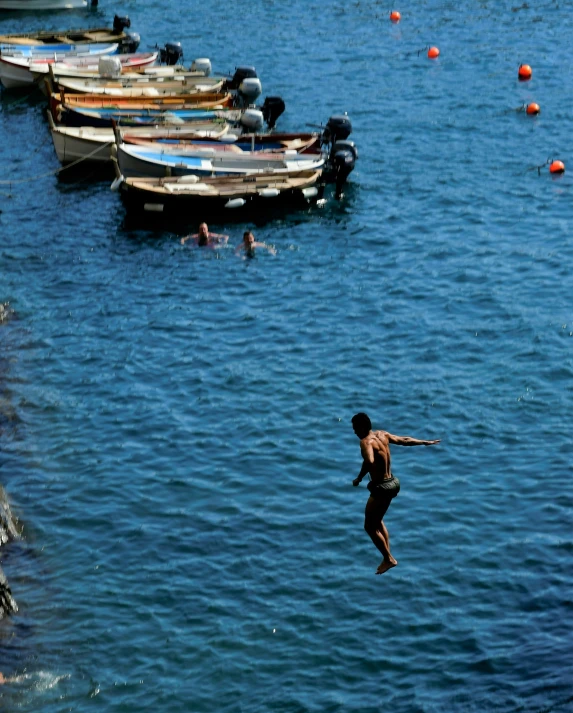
{"x":433,"y":52}
{"x":533,"y":108}
{"x":557,"y":167}
{"x":395,"y":16}
{"x":524,"y":72}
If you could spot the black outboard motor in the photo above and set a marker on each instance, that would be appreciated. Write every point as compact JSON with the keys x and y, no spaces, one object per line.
{"x":171,"y":54}
{"x":344,"y":146}
{"x":240,"y":74}
{"x":272,"y":108}
{"x":342,"y":164}
{"x":338,"y":128}
{"x":120,"y":23}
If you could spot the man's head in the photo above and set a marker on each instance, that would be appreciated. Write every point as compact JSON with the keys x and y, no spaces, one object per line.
{"x":248,"y":239}
{"x":203,"y":233}
{"x":361,"y":425}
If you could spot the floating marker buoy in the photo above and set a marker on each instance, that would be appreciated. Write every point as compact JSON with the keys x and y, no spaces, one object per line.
{"x":433,"y":52}
{"x":395,"y":16}
{"x":524,"y":72}
{"x":532,"y":108}
{"x":557,"y":167}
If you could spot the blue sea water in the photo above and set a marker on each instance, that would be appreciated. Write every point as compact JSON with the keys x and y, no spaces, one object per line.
{"x":175,"y":423}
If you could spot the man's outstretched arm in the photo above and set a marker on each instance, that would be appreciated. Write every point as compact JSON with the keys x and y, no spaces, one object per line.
{"x":407,"y":441}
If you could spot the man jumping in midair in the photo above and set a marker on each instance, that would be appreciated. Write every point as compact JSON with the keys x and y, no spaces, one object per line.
{"x":375,"y":449}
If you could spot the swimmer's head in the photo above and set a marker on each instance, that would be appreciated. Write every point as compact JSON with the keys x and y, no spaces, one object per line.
{"x":361,"y":424}
{"x":248,"y":238}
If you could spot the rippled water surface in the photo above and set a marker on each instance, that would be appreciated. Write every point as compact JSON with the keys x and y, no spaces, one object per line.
{"x":175,"y":423}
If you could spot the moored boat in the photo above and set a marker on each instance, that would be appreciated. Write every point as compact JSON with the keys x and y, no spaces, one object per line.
{"x":126,"y":41}
{"x":150,"y":161}
{"x":74,"y":116}
{"x":60,"y":101}
{"x":228,"y":196}
{"x":141,"y":86}
{"x":92,"y":144}
{"x":35,"y":5}
{"x":15,"y":70}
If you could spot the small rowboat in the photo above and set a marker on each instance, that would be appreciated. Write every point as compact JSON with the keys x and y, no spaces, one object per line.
{"x":182,"y":102}
{"x":35,"y":5}
{"x":86,"y":65}
{"x":231,"y":196}
{"x":69,"y":115}
{"x":88,"y":143}
{"x":126,"y":41}
{"x":141,"y":87}
{"x":148,"y":161}
{"x":67,"y":69}
{"x":15,"y":70}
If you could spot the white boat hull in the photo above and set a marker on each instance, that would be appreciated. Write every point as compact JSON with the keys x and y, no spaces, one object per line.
{"x":139,"y":162}
{"x":94,"y":145}
{"x":41,"y":4}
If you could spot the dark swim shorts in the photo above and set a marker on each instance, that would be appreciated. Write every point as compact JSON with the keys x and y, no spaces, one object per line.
{"x":384,"y":490}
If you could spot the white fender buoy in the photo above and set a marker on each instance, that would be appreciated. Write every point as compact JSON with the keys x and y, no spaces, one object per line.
{"x":310,"y":192}
{"x":269,"y":192}
{"x":235,"y":203}
{"x":153,"y":207}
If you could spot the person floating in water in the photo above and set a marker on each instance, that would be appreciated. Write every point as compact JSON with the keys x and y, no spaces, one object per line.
{"x":204,"y":237}
{"x":249,"y":244}
{"x":383,"y":487}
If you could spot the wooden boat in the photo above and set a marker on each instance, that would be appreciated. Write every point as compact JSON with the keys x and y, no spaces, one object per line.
{"x":86,"y":66}
{"x":302,"y":143}
{"x":228,"y":196}
{"x":67,"y":69}
{"x":96,"y":35}
{"x":35,"y":5}
{"x":15,"y":70}
{"x":60,"y":102}
{"x":147,"y":161}
{"x":92,"y":144}
{"x":62,"y":50}
{"x":140,"y":87}
{"x":69,"y":115}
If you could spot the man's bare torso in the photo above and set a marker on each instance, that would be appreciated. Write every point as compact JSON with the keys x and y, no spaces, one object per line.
{"x":376,"y":450}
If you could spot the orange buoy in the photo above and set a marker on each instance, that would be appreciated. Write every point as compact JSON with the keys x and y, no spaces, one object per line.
{"x":433,"y":52}
{"x":533,"y":108}
{"x":395,"y":16}
{"x":557,"y":167}
{"x":524,"y":72}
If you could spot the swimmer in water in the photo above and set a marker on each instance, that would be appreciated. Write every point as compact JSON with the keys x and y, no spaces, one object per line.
{"x":383,"y":487}
{"x":204,"y":237}
{"x":249,"y":244}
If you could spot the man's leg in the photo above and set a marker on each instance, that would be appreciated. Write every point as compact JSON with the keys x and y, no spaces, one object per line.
{"x":378,"y":533}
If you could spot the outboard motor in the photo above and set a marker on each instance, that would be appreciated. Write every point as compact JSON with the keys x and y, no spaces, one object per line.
{"x":109,"y":66}
{"x":120,"y":23}
{"x":241,"y":73}
{"x":249,"y":89}
{"x":345,"y":146}
{"x":131,"y":43}
{"x":272,"y":108}
{"x":342,"y":164}
{"x":252,"y":120}
{"x":338,"y":128}
{"x":171,"y":54}
{"x":201,"y":64}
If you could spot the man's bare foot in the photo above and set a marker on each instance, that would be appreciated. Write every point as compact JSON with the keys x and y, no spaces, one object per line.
{"x":386,"y":565}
